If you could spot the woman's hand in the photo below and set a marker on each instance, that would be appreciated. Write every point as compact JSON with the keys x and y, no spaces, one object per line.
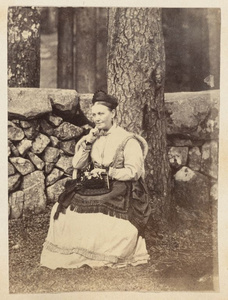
{"x":97,"y":172}
{"x":92,"y":136}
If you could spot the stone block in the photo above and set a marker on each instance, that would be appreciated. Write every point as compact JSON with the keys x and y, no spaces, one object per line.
{"x":31,"y":133}
{"x":191,"y":189}
{"x":28,"y":103}
{"x":14,"y":182}
{"x":46,"y":128}
{"x":25,"y":124}
{"x":85,"y":101}
{"x":24,"y":146}
{"x":15,"y":133}
{"x":193,"y":114}
{"x":11,"y":169}
{"x":36,"y":160}
{"x":56,"y":189}
{"x":63,"y":100}
{"x":209,"y":162}
{"x":214,"y":192}
{"x":65,"y":164}
{"x":178,"y":156}
{"x":40,"y":143}
{"x":51,"y":155}
{"x":34,"y":196}
{"x":48,"y":167}
{"x":55,"y":120}
{"x":16,"y":202}
{"x":68,"y":147}
{"x":54,"y":141}
{"x":67,"y":131}
{"x":54,"y":176}
{"x":194,"y":159}
{"x":13,"y":149}
{"x":23,"y":166}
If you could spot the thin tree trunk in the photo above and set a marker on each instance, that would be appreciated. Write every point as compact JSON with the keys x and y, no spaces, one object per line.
{"x":65,"y":48}
{"x":85,"y":43}
{"x":136,"y":74}
{"x":23,"y":47}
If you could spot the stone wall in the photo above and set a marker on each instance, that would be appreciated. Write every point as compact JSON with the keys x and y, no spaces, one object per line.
{"x":45,"y":124}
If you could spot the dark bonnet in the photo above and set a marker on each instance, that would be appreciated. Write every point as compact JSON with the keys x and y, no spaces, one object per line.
{"x":105,"y":99}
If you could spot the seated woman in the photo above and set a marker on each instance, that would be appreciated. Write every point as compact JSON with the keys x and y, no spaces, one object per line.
{"x":105,"y":227}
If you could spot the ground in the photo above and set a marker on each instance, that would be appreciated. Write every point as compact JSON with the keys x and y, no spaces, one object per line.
{"x":182,"y":260}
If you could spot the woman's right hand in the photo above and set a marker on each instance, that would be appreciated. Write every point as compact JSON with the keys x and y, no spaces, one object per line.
{"x":92,"y":136}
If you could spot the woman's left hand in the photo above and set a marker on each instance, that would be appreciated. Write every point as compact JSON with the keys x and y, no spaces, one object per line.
{"x":97,"y":172}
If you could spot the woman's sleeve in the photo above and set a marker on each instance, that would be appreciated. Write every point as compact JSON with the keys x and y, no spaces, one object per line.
{"x":81,"y":158}
{"x":133,"y":163}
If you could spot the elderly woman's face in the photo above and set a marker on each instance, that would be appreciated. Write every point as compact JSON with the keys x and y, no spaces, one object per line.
{"x":102,"y":116}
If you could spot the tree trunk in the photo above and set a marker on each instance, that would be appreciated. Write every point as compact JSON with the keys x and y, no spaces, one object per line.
{"x":23,"y":47}
{"x":65,"y":48}
{"x":85,"y":43}
{"x":102,"y":39}
{"x":136,"y":74}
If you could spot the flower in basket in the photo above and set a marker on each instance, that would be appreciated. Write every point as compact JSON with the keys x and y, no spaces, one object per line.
{"x":93,"y":180}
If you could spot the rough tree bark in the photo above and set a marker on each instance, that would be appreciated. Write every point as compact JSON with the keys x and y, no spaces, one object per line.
{"x":136,"y":74}
{"x":23,"y":47}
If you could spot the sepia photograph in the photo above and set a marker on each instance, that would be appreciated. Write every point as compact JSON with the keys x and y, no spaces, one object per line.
{"x":113,"y":149}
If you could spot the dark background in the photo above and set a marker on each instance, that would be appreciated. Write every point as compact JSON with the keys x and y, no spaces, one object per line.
{"x":192,"y":46}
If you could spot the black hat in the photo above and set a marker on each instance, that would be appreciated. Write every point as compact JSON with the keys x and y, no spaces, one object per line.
{"x":106,"y":99}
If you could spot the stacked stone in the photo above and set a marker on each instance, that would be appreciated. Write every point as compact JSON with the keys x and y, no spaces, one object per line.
{"x":40,"y":147}
{"x":193,"y":133}
{"x":44,"y":127}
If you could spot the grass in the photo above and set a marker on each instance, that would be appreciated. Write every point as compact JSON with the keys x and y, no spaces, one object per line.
{"x":181,"y":260}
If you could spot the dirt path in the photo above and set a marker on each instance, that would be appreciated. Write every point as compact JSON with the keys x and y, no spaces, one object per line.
{"x":181,"y":262}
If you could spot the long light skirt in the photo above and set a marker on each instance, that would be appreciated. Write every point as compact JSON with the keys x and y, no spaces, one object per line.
{"x":92,"y":239}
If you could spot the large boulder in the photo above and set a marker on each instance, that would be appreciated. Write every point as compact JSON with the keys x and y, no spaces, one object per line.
{"x":191,"y":189}
{"x":63,"y":100}
{"x":23,"y":166}
{"x":15,"y":133}
{"x":34,"y":196}
{"x":56,"y":189}
{"x":28,"y":103}
{"x":67,"y":131}
{"x":16,"y":203}
{"x":193,"y":114}
{"x":209,"y":162}
{"x":85,"y":101}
